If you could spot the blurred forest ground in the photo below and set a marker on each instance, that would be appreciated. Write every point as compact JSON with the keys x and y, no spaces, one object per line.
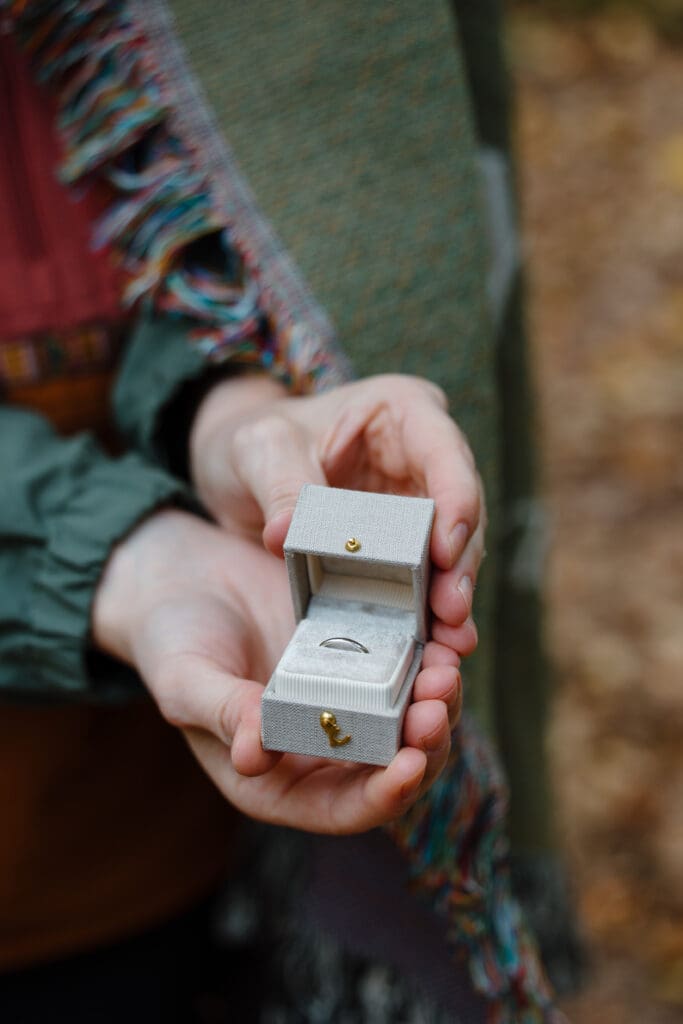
{"x":600,"y":140}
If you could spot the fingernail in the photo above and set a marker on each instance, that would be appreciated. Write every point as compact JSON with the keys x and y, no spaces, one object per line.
{"x":457,"y":539}
{"x":409,"y":789}
{"x":457,"y":705}
{"x":473,"y":626}
{"x":433,"y":740}
{"x":466,"y":590}
{"x":458,"y":702}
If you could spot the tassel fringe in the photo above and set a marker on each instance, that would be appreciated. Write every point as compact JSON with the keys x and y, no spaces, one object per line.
{"x":455,"y":841}
{"x":113,"y":121}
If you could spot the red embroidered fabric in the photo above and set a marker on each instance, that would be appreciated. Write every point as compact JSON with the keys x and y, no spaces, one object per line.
{"x":51,"y":284}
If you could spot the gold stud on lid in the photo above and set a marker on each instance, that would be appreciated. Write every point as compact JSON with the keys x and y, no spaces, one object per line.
{"x":352,"y":544}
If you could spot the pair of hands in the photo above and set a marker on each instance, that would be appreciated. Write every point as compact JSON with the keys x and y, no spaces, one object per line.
{"x":203,"y":611}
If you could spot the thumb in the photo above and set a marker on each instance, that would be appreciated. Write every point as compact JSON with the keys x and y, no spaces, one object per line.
{"x":274,"y":457}
{"x":196,"y":693}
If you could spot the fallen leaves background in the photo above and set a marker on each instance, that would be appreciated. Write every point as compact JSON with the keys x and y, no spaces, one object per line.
{"x":600,"y":138}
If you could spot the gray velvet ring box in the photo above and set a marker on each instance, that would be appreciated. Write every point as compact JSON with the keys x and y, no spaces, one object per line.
{"x":358,"y":566}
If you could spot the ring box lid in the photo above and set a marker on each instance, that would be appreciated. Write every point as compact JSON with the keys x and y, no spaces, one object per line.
{"x":389,"y":568}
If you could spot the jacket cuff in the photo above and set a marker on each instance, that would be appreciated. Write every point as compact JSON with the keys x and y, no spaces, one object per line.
{"x":160,"y":369}
{"x":111,"y":499}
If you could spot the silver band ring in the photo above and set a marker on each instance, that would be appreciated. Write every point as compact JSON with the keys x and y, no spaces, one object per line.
{"x":344,"y":643}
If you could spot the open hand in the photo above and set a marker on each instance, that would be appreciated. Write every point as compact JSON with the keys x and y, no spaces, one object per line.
{"x":204,"y":616}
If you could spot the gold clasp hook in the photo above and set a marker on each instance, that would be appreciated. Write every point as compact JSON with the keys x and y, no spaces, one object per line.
{"x":328,"y":722}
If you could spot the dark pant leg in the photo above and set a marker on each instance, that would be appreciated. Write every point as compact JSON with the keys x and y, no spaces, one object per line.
{"x":164,"y":976}
{"x":360,"y":894}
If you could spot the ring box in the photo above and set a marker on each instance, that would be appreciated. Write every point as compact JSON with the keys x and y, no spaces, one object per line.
{"x":358,"y":566}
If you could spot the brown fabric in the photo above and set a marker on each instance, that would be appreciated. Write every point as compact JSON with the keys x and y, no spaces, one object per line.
{"x":109,"y":826}
{"x":72,"y":404}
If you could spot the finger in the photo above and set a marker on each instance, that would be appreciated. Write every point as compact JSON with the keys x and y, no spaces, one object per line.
{"x":451,"y":593}
{"x":437,"y":654}
{"x":387,"y":793}
{"x":469,"y":563}
{"x":343,"y":798}
{"x":330,"y":797}
{"x":273,"y":456}
{"x":196,"y":694}
{"x":318,"y":796}
{"x":437,"y":449}
{"x":462,"y":639}
{"x":441,"y":682}
{"x":450,"y":598}
{"x":426,"y":727}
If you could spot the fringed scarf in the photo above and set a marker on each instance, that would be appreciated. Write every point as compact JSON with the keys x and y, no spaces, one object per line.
{"x":118,"y":118}
{"x":114,"y":119}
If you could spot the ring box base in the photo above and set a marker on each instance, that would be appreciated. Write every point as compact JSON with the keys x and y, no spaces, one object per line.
{"x":289,"y":725}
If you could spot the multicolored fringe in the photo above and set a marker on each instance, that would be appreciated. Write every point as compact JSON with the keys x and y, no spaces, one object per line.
{"x":455,"y":840}
{"x":115,"y":112}
{"x":114,"y":109}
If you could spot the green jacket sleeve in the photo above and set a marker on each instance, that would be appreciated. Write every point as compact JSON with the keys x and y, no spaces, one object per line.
{"x":64,"y":505}
{"x":161,"y":380}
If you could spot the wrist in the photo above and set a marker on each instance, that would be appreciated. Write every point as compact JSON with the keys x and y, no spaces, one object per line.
{"x":228,"y":404}
{"x":133,"y":565}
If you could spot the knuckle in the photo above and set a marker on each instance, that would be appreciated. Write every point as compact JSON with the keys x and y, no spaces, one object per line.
{"x":470,"y":509}
{"x":438,"y":395}
{"x":408,"y":386}
{"x":170,"y":699}
{"x":271,"y":430}
{"x":224,"y":720}
{"x":282,"y":496}
{"x":483,"y":512}
{"x":468,"y":454}
{"x":456,"y":706}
